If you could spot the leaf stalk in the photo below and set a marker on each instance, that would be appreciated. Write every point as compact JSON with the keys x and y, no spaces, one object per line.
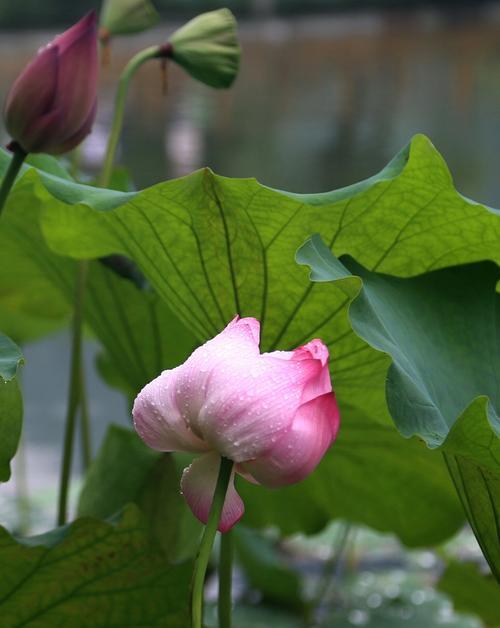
{"x":75,"y":390}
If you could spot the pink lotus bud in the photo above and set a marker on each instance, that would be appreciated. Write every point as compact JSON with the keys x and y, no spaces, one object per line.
{"x":273,"y":414}
{"x":51,"y":106}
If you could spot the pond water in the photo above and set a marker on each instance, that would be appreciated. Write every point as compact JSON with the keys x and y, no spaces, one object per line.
{"x":320,"y":102}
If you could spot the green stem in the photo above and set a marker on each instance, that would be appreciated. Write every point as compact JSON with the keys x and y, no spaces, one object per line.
{"x":74,"y":394}
{"x":225,"y":579}
{"x":18,"y":156}
{"x":121,"y":96}
{"x":207,"y":540}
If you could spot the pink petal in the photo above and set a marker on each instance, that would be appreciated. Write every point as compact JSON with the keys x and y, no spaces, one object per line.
{"x":313,"y":350}
{"x":87,"y":24}
{"x":240,"y":470}
{"x":198,"y":486}
{"x":251,"y":402}
{"x":79,"y":136}
{"x":234,"y":400}
{"x":245,"y":329}
{"x":246,"y":325}
{"x":158,"y":420}
{"x":77,"y":75}
{"x":52,"y":103}
{"x":42,"y":134}
{"x":45,"y":133}
{"x":239,"y":401}
{"x":298,"y":452}
{"x":239,"y":338}
{"x":32,"y":93}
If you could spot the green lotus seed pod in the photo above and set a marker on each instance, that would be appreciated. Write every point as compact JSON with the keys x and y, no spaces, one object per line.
{"x":207,"y":48}
{"x":123,"y":17}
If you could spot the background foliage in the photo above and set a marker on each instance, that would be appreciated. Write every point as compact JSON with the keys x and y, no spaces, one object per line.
{"x":60,"y":12}
{"x":402,"y":327}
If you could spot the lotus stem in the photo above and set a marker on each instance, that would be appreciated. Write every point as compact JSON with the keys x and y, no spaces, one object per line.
{"x":18,"y":156}
{"x":75,"y":391}
{"x":153,"y":52}
{"x":207,"y":541}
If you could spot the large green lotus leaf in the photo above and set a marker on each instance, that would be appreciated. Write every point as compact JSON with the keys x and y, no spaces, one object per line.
{"x":370,"y":476}
{"x":31,"y":301}
{"x":472,"y":592}
{"x":91,"y":573}
{"x":126,"y":470}
{"x":54,"y":178}
{"x":441,"y":331}
{"x":479,"y":491}
{"x":36,"y":286}
{"x":117,"y":474}
{"x":211,"y":247}
{"x":139,"y":333}
{"x":11,"y":404}
{"x":25,"y":327}
{"x":214,"y":246}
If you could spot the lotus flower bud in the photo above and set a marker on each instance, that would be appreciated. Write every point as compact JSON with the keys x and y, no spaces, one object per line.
{"x":51,"y":106}
{"x":273,"y":414}
{"x":124,"y":17}
{"x":207,"y":48}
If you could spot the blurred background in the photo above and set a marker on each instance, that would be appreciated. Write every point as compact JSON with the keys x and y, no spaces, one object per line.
{"x":328,"y":92}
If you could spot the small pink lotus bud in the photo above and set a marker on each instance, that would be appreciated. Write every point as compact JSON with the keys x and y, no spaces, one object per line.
{"x":273,"y":414}
{"x":51,"y":106}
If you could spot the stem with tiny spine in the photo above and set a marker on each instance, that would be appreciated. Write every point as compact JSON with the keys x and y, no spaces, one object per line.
{"x":18,"y":157}
{"x":207,"y":541}
{"x":153,"y":52}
